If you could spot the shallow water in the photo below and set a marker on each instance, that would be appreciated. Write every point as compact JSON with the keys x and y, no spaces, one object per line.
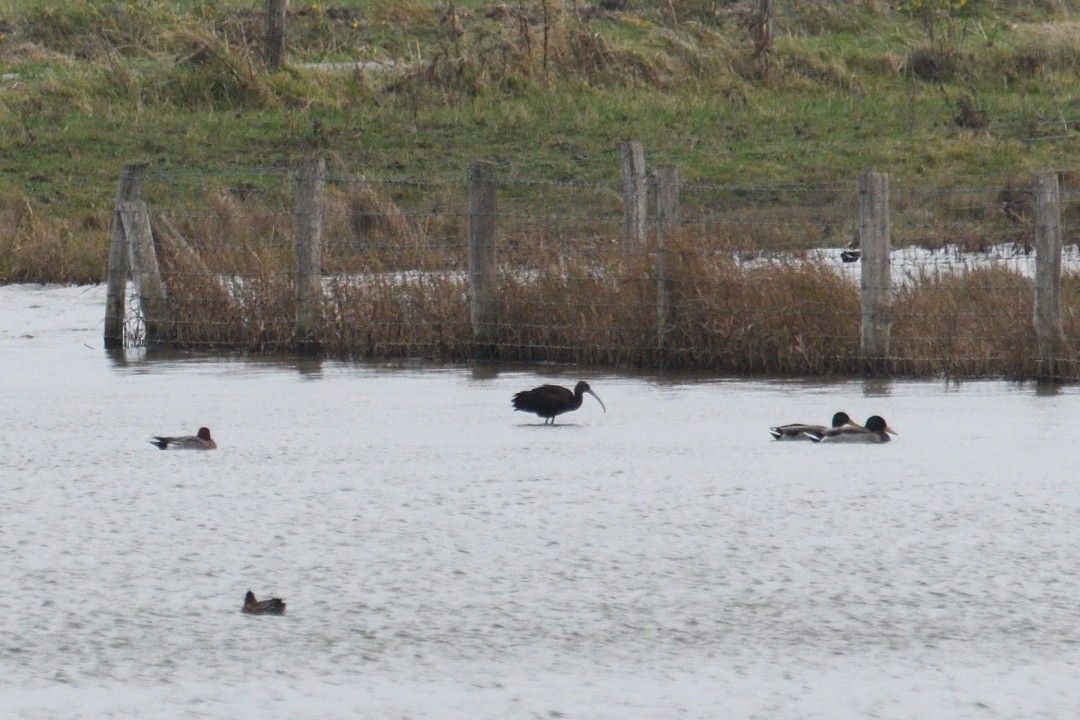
{"x":445,"y":557}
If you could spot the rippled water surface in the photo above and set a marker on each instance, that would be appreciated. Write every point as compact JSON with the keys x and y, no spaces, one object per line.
{"x":445,"y":557}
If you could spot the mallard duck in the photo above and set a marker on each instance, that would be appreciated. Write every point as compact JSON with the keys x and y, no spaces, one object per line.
{"x":876,"y":430}
{"x":549,"y":401}
{"x":273,"y":606}
{"x":851,"y":252}
{"x":800,"y":431}
{"x":199,"y":441}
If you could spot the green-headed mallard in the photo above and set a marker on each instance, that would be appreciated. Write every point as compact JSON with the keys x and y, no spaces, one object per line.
{"x":801,"y":431}
{"x":876,"y":430}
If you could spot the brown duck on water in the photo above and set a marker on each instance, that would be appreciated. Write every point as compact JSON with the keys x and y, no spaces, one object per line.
{"x":273,"y":606}
{"x":199,"y":441}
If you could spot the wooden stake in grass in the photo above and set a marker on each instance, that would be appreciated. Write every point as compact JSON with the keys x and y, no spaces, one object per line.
{"x":275,"y":32}
{"x":635,"y":195}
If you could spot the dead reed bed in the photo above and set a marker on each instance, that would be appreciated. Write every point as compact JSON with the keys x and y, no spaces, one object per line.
{"x":36,"y":247}
{"x":569,"y":311}
{"x":395,"y":285}
{"x":397,"y":315}
{"x":978,"y":323}
{"x":975,"y":323}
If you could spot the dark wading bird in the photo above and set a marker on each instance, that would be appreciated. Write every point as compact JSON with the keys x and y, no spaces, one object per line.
{"x":273,"y":606}
{"x":201,"y":441}
{"x":876,"y":430}
{"x":801,"y":431}
{"x":550,"y":401}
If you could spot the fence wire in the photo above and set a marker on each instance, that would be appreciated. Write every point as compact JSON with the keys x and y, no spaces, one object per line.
{"x":744,"y":279}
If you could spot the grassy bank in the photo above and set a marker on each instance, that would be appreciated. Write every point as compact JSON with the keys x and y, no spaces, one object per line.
{"x":544,"y":87}
{"x":958,"y":102}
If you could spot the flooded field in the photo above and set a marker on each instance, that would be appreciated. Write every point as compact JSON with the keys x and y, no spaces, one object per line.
{"x":445,"y":557}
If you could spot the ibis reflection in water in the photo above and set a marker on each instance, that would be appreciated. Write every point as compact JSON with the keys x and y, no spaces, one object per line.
{"x":550,"y":401}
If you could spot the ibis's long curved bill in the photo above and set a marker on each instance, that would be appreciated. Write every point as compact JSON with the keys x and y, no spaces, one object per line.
{"x":597,"y":399}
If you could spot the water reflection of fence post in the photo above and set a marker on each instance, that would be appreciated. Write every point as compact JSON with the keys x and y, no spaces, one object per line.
{"x":483,"y":304}
{"x":876,"y":282}
{"x":308,"y":233}
{"x":142,"y":259}
{"x":667,"y":217}
{"x":131,"y":181}
{"x":1048,"y":245}
{"x":635,"y":194}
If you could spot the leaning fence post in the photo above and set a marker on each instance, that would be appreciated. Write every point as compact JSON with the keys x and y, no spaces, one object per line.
{"x":309,"y":220}
{"x":483,"y":307}
{"x":876,"y":285}
{"x":131,"y":181}
{"x":144,"y":271}
{"x":1048,"y":243}
{"x":635,"y":194}
{"x":666,"y":178}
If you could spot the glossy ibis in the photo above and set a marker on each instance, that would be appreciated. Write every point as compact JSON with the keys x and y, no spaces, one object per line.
{"x":876,"y":430}
{"x":200,"y":441}
{"x":550,"y":401}
{"x":800,"y":431}
{"x":273,"y":606}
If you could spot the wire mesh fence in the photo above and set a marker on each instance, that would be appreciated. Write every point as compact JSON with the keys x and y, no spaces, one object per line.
{"x":736,"y":279}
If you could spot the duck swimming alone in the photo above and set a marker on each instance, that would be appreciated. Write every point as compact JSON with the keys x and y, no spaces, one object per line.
{"x":800,"y":431}
{"x":876,"y":430}
{"x":273,"y":606}
{"x":200,"y":441}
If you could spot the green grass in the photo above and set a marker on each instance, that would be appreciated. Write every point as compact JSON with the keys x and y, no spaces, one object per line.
{"x":92,"y":85}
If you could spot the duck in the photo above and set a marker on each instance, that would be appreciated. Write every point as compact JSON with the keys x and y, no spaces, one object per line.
{"x":801,"y":431}
{"x":875,"y":430}
{"x":851,"y":252}
{"x":199,"y":441}
{"x":273,"y":606}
